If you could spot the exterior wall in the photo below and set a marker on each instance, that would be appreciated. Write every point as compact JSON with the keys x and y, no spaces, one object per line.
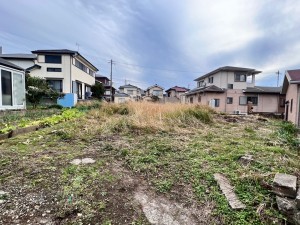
{"x":18,"y":89}
{"x":24,"y":63}
{"x":64,"y":74}
{"x":122,"y":99}
{"x":293,"y":94}
{"x":81,"y":76}
{"x":223,"y":78}
{"x":267,"y":103}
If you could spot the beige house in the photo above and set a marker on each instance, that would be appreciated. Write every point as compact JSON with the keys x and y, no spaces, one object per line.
{"x":66,"y":71}
{"x":134,"y":92}
{"x":155,"y":90}
{"x":232,"y":90}
{"x":291,"y":87}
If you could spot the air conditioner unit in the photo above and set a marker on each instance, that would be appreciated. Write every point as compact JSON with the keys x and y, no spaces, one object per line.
{"x":237,"y":112}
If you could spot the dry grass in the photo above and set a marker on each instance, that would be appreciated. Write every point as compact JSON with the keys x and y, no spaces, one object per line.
{"x":149,"y":116}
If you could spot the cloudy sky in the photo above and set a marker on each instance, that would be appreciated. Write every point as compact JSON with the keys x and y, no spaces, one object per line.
{"x":168,"y":42}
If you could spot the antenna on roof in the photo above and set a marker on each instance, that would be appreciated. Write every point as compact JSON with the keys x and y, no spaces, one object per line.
{"x":77,"y":44}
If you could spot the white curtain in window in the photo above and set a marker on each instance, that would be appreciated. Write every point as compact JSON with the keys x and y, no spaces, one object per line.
{"x":18,"y":89}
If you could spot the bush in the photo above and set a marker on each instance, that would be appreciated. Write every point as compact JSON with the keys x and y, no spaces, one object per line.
{"x":288,"y":133}
{"x":97,"y":90}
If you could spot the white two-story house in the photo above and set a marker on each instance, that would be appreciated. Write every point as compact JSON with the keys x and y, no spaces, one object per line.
{"x":127,"y":93}
{"x":66,"y":71}
{"x":232,"y":89}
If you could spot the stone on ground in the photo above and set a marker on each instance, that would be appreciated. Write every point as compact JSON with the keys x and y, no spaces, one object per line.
{"x":246,"y":159}
{"x":76,"y":161}
{"x":288,"y":208}
{"x":82,"y":161}
{"x":285,"y":185}
{"x":228,"y":191}
{"x":87,"y":161}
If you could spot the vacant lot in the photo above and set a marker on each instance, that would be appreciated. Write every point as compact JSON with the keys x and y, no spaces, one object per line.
{"x":153,"y":164}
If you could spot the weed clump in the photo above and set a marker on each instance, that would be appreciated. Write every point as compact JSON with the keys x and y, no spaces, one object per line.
{"x":287,"y":133}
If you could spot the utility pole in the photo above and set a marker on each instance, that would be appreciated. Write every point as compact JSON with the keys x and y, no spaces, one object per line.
{"x":111,"y":95}
{"x":277,"y":78}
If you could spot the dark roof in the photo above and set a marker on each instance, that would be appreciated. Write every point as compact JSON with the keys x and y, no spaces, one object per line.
{"x":121,"y":95}
{"x":128,"y":86}
{"x":294,"y":75}
{"x":101,"y":76}
{"x":178,"y":89}
{"x":55,"y":51}
{"x":18,"y":56}
{"x":9,"y":64}
{"x":62,"y":51}
{"x":35,"y":66}
{"x":156,"y":85}
{"x":261,"y":90}
{"x":211,"y":88}
{"x":229,"y":69}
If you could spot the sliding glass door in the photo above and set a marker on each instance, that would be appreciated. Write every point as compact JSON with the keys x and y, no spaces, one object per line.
{"x":6,"y":87}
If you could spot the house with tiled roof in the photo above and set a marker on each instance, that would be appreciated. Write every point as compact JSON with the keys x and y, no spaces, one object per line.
{"x":232,"y":90}
{"x":291,"y":88}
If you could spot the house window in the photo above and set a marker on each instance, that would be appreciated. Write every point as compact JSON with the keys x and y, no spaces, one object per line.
{"x":156,"y":92}
{"x":191,"y":99}
{"x":217,"y":102}
{"x":230,"y":86}
{"x":91,"y":72}
{"x":130,"y":92}
{"x":245,"y":99}
{"x":55,"y":85}
{"x":201,"y":83}
{"x":80,"y":65}
{"x":6,"y":85}
{"x":210,"y":80}
{"x":239,"y":77}
{"x":291,"y":109}
{"x":53,"y":59}
{"x":107,"y":92}
{"x":199,"y":98}
{"x":50,"y":69}
{"x":229,"y":100}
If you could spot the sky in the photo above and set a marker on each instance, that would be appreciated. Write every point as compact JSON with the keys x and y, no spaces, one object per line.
{"x":164,"y":42}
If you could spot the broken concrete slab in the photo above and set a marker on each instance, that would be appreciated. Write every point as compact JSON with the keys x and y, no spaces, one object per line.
{"x":285,"y":185}
{"x":298,"y":198}
{"x":228,"y":191}
{"x":285,"y":205}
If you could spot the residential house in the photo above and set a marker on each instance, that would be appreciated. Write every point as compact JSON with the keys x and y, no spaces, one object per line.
{"x":66,"y":71}
{"x":232,"y":90}
{"x":176,"y":94}
{"x":155,"y":90}
{"x":107,"y":85}
{"x":134,"y":92}
{"x":12,"y":86}
{"x":291,"y":87}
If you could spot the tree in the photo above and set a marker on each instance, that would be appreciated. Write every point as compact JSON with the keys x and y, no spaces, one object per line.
{"x":37,"y":88}
{"x":97,"y":90}
{"x":154,"y":98}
